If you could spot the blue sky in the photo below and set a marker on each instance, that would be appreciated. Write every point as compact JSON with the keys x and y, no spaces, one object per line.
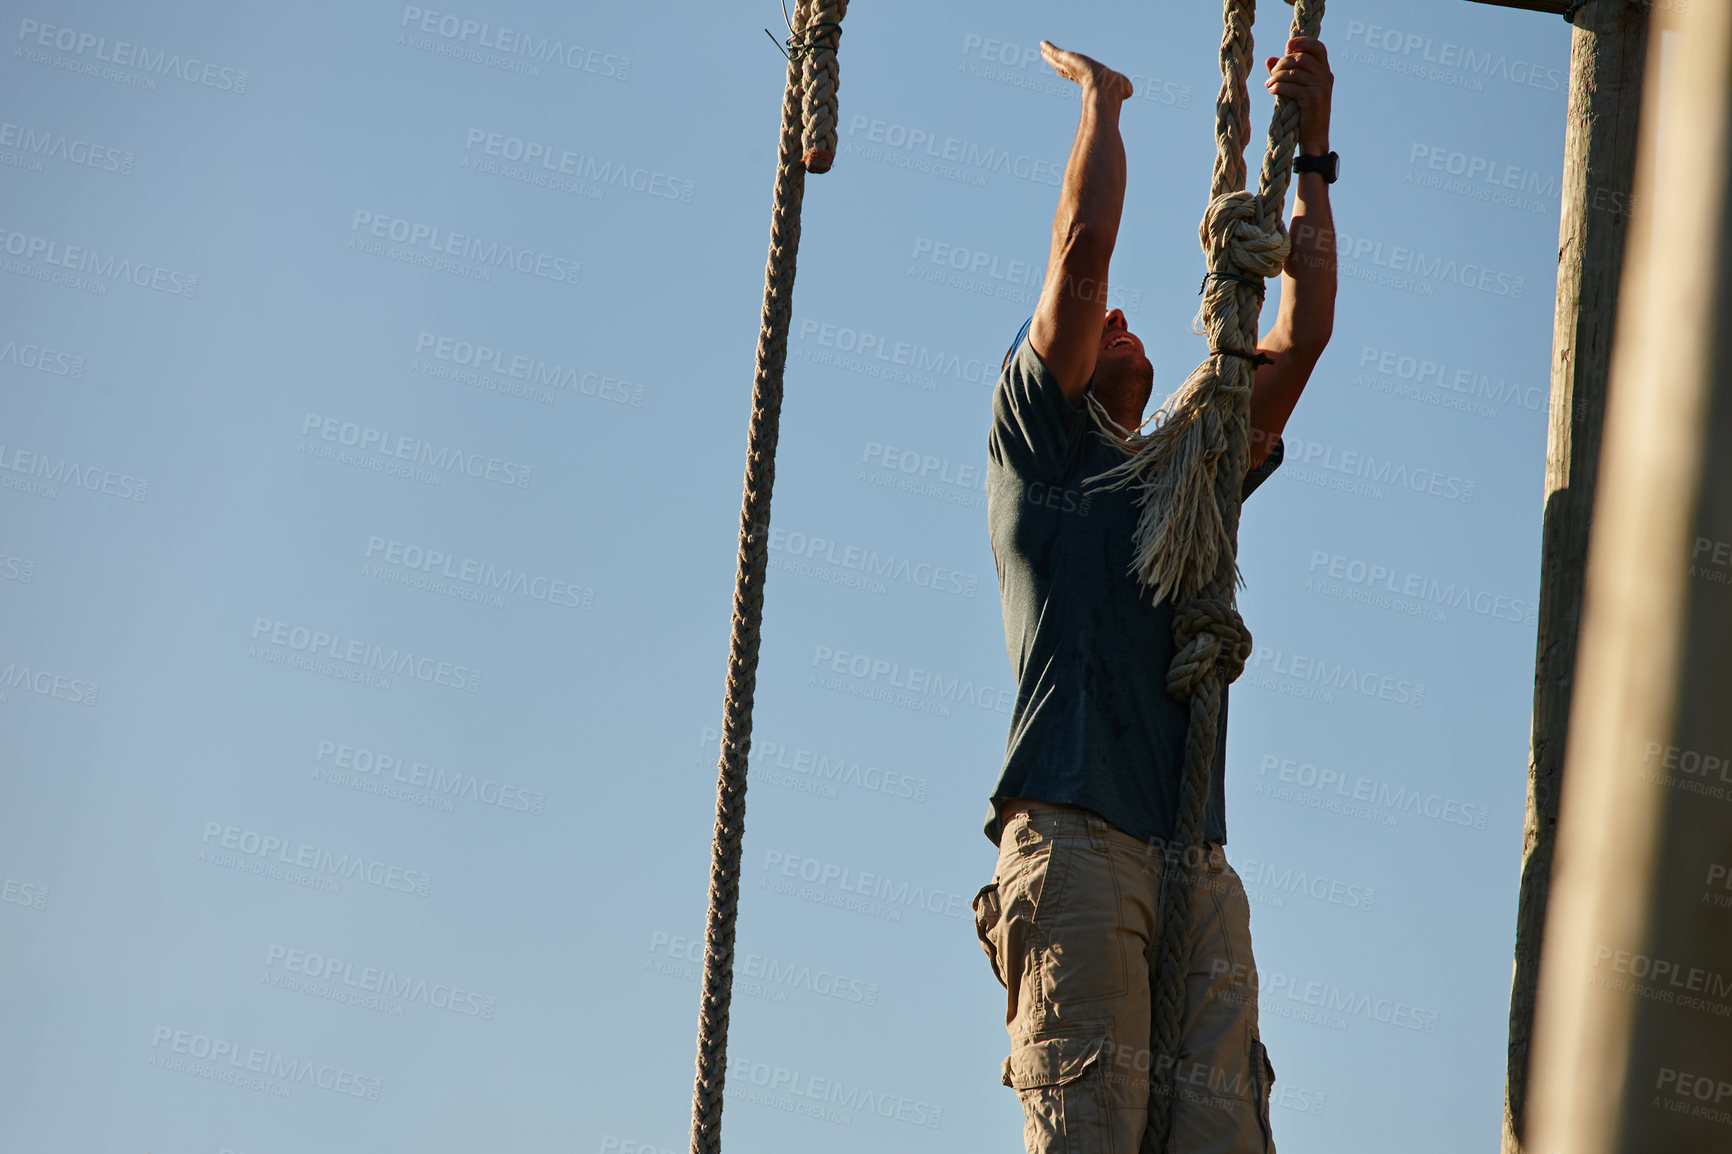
{"x":375,"y":382}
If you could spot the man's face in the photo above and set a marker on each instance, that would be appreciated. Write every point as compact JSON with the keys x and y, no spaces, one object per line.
{"x":1118,"y":344}
{"x":1124,"y":377}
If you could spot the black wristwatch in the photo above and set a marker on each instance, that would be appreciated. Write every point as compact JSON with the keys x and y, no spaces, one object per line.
{"x":1329,"y":167}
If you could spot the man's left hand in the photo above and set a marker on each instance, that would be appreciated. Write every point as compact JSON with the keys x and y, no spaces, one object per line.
{"x":1303,"y":76}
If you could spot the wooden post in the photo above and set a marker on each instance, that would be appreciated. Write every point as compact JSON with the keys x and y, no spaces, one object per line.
{"x":1607,"y":53}
{"x":1632,"y":1050}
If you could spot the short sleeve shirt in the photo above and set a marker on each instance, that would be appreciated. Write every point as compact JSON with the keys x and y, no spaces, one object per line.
{"x":1093,"y":724}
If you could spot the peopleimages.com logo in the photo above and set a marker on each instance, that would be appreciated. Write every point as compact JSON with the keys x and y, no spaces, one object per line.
{"x":578,"y":165}
{"x":899,"y":353}
{"x":41,"y":358}
{"x":1444,"y":61}
{"x":280,"y":851}
{"x":163,"y":63}
{"x":439,"y":241}
{"x":47,"y":683}
{"x":37,"y":144}
{"x":466,"y":38}
{"x":374,"y":448}
{"x":925,"y":150}
{"x":362,"y":762}
{"x":924,"y":690}
{"x":254,"y":1067}
{"x":103,"y":267}
{"x":348,"y":977}
{"x":364,"y":654}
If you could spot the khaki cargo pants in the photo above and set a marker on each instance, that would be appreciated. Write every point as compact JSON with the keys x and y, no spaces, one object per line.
{"x":1070,"y":923}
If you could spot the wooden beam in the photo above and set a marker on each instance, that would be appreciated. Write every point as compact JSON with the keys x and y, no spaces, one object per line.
{"x":1632,"y":1054}
{"x":1555,"y":7}
{"x":1608,"y":49}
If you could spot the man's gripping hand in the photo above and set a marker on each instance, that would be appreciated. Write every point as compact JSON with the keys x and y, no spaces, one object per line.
{"x":1303,"y":76}
{"x":1089,"y":73}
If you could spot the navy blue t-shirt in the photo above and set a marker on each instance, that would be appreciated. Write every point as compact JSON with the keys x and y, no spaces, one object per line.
{"x":1094,"y":725}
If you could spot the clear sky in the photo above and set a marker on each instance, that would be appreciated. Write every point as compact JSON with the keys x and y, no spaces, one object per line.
{"x":373,"y":390}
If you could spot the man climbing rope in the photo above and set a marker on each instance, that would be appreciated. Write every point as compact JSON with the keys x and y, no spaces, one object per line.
{"x":1084,"y":809}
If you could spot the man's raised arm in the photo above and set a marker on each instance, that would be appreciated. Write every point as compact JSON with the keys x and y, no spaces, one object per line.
{"x":1307,"y":315}
{"x":1072,"y":309}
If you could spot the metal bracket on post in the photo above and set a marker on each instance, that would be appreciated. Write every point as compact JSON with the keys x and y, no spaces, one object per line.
{"x":1555,"y":7}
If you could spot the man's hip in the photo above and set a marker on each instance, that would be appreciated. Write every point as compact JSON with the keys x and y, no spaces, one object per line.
{"x":1070,"y":923}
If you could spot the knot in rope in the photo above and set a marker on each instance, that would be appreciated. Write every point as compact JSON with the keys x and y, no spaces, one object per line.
{"x":819,"y":80}
{"x":1212,"y":641}
{"x":1240,"y":237}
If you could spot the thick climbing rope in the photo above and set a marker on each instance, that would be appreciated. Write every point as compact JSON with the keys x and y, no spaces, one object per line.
{"x":1189,"y":473}
{"x":808,"y":144}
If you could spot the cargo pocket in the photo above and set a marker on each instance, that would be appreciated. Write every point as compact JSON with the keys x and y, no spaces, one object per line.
{"x":1063,"y":1092}
{"x":987,"y":914}
{"x":1265,"y":1073}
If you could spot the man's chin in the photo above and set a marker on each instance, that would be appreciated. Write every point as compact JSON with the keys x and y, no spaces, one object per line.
{"x":1124,"y":374}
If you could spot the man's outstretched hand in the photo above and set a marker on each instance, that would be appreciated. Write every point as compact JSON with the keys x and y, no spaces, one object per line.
{"x":1091,"y":74}
{"x":1303,"y":76}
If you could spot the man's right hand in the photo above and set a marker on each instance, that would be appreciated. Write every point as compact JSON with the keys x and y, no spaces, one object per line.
{"x":1089,"y":73}
{"x":1071,"y":311}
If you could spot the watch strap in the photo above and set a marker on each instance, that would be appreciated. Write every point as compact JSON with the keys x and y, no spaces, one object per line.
{"x":1328,"y":166}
